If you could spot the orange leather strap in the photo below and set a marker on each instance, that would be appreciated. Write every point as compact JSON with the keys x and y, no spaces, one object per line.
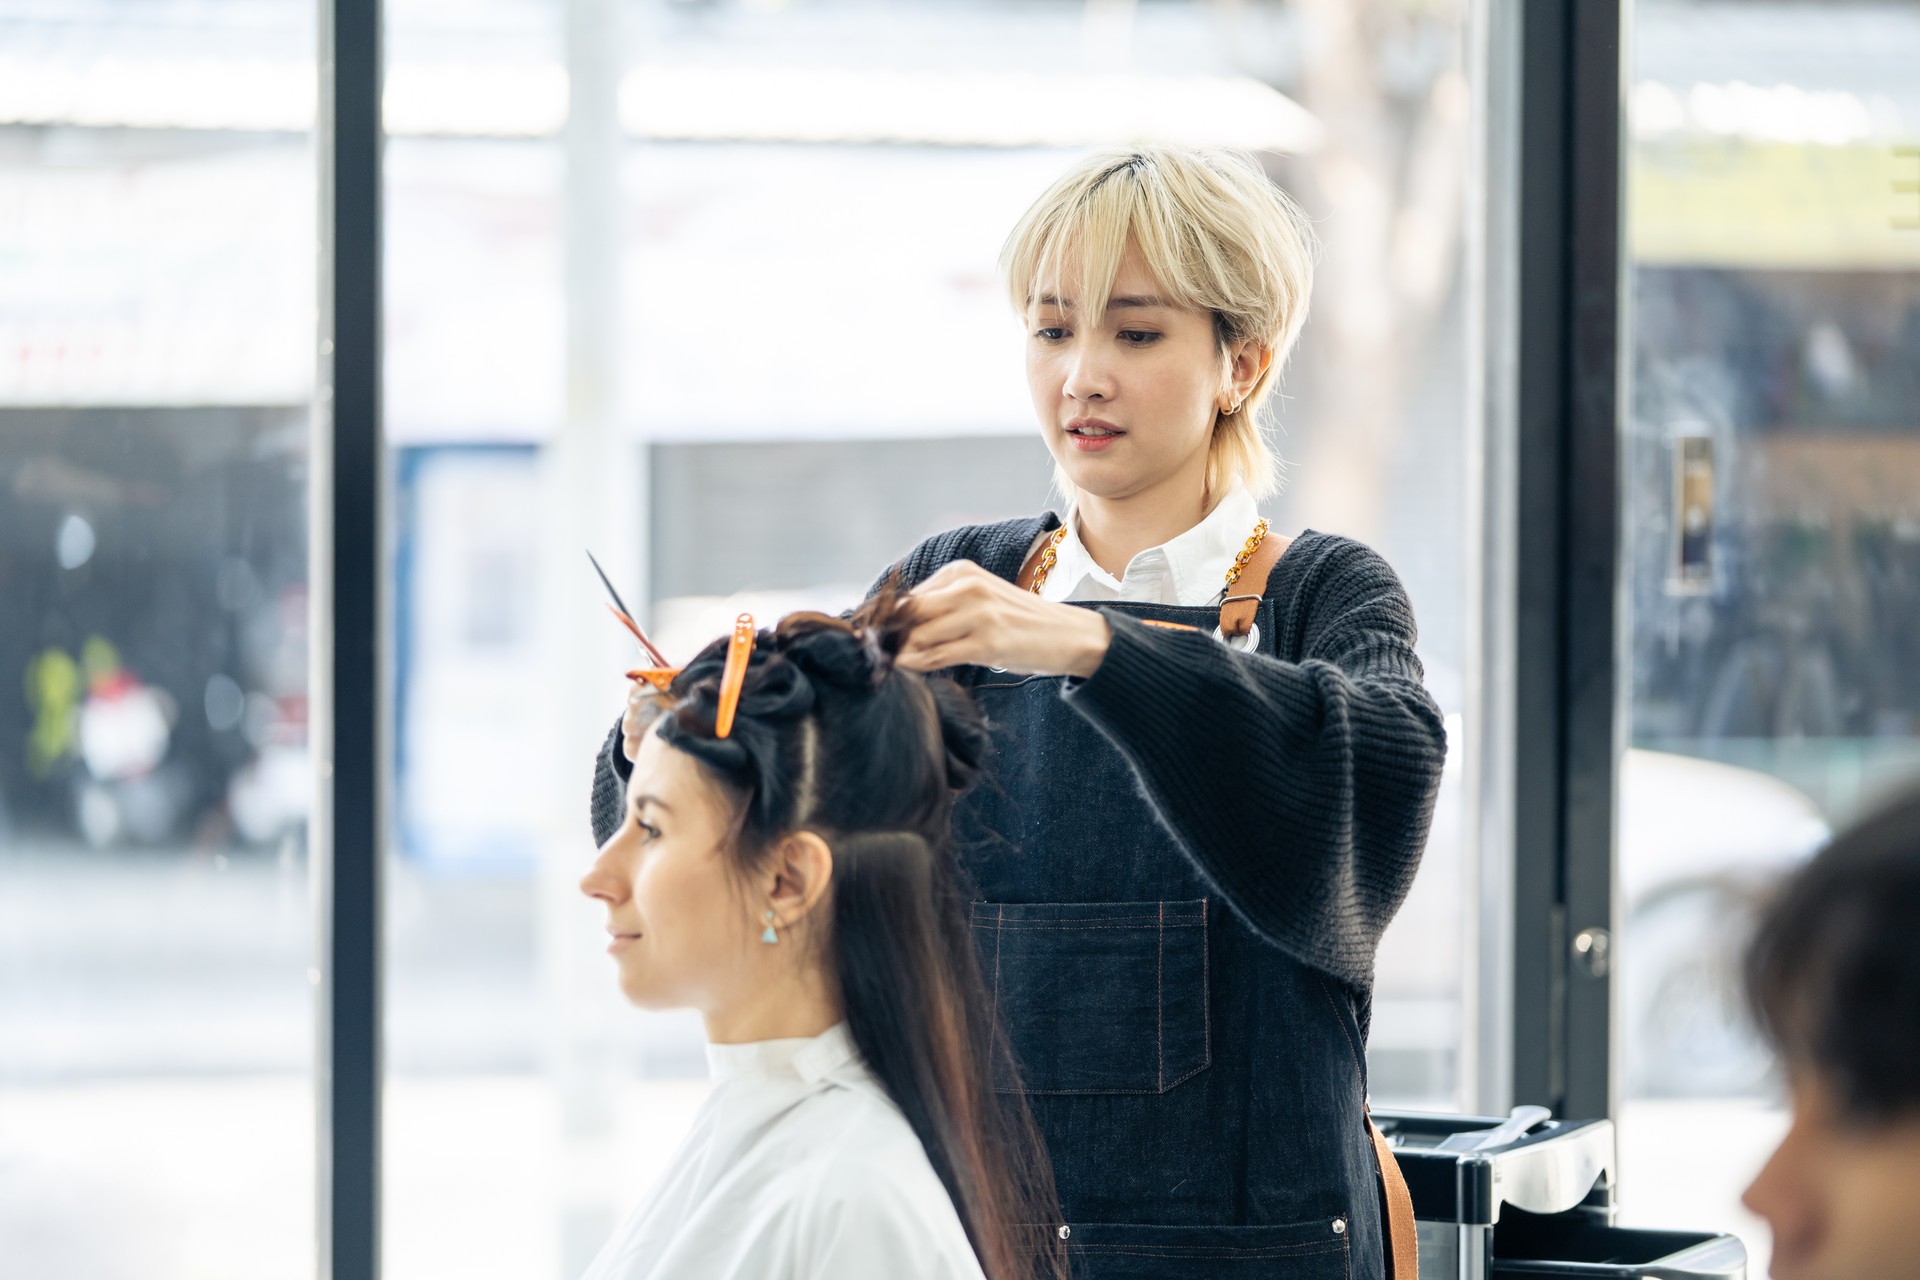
{"x":1237,"y":611}
{"x":1400,"y":1238}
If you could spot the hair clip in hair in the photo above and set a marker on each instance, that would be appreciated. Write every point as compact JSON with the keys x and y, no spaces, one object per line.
{"x":659,"y":677}
{"x":734,"y":675}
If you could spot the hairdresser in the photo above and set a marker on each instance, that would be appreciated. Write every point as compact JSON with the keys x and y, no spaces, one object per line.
{"x":1215,"y":760}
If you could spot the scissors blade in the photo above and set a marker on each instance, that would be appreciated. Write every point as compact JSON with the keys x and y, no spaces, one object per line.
{"x":626,"y":618}
{"x":607,"y":582}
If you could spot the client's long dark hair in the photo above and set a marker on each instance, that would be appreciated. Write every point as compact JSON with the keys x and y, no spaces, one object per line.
{"x":831,"y":737}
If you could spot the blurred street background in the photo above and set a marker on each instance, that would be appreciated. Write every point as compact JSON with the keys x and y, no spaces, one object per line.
{"x":740,"y":332}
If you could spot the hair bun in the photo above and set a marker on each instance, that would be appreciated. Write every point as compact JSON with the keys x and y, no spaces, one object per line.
{"x":842,"y":673}
{"x":773,"y":688}
{"x":834,"y":651}
{"x":774,"y":693}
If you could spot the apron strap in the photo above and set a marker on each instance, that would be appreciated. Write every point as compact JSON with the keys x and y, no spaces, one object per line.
{"x":1236,"y":612}
{"x":1400,"y":1237}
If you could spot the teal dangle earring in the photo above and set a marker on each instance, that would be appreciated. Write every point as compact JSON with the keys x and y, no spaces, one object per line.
{"x":769,"y":935}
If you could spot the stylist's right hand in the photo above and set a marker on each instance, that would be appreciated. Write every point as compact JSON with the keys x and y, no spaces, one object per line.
{"x":639,"y":716}
{"x":964,"y":615}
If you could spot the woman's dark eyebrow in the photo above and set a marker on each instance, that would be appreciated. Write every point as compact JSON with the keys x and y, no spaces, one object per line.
{"x":643,"y":800}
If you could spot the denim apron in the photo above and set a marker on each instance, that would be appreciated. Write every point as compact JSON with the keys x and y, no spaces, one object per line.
{"x":1201,"y":1093}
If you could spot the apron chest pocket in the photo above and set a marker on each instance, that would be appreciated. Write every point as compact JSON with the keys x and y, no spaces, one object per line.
{"x":1098,"y":997}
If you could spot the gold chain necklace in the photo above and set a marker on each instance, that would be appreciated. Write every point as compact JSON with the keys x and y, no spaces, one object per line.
{"x":1052,"y":552}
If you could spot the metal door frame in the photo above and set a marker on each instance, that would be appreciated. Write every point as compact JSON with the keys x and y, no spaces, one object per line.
{"x":349,"y":662}
{"x":1548,"y":373}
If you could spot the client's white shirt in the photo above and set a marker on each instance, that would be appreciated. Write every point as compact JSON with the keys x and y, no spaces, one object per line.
{"x":798,"y":1166}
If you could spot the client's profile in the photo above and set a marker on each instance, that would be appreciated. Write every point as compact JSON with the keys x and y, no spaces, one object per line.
{"x":784,"y":866}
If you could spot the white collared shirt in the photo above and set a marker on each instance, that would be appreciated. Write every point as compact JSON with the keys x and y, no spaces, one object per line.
{"x":798,"y":1167}
{"x":1188,"y":570}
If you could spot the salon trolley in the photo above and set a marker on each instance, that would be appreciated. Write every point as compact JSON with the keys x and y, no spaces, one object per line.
{"x":1531,"y":1196}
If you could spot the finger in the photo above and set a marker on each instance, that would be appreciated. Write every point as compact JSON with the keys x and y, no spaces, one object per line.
{"x":965,"y":593}
{"x":954,"y":575}
{"x":948,"y":572}
{"x":917,"y":660}
{"x":940,"y":657}
{"x":922,"y":649}
{"x":947,"y":628}
{"x":929,"y":594}
{"x":943,"y":629}
{"x":938,"y":609}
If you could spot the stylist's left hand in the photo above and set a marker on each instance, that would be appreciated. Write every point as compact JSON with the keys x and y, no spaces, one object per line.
{"x":964,"y":615}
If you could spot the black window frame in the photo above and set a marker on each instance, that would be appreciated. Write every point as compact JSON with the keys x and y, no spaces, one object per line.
{"x":1550,"y":623}
{"x":349,"y":634}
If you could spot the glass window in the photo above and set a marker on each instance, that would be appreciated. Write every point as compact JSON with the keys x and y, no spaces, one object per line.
{"x":1772,"y":554}
{"x":157,"y":271}
{"x":803,"y":364}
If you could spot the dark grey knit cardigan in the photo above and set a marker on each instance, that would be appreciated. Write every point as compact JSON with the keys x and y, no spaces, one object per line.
{"x":1302,"y":786}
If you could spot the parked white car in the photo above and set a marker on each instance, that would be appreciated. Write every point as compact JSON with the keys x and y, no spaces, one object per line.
{"x":1699,"y":843}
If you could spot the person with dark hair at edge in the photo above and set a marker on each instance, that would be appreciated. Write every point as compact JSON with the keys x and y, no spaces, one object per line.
{"x":1833,"y":978}
{"x":783,"y":864}
{"x":1215,"y":758}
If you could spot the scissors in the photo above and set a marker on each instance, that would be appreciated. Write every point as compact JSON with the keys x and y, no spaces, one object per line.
{"x":662,"y":672}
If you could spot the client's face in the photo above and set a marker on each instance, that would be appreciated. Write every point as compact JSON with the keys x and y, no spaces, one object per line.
{"x":1842,"y":1198}
{"x":682,"y":930}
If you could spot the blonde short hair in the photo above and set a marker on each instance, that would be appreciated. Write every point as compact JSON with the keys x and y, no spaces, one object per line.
{"x":1217,"y":235}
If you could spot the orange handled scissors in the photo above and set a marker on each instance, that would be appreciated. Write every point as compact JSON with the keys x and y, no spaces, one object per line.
{"x":662,"y":672}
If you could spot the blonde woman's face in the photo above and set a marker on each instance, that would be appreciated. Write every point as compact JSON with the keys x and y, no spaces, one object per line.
{"x":1126,"y":401}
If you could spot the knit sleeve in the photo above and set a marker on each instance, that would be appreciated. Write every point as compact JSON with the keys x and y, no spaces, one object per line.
{"x":1303,"y":790}
{"x":915,"y":567}
{"x":611,"y":769}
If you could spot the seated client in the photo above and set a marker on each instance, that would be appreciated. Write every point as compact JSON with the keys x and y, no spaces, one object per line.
{"x":784,"y":866}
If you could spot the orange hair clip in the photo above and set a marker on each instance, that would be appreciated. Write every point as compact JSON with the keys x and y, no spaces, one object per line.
{"x":734,"y":675}
{"x":659,"y":677}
